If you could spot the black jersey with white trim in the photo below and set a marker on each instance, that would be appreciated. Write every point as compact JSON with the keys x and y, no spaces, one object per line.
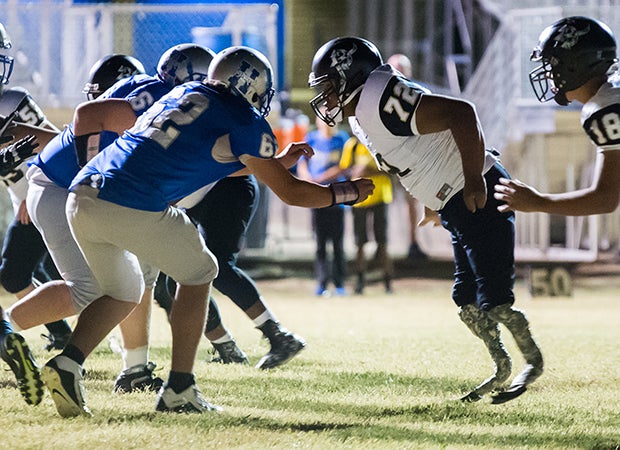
{"x":19,"y":99}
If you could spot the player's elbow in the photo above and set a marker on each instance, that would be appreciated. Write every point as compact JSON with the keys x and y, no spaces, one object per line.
{"x":607,"y":200}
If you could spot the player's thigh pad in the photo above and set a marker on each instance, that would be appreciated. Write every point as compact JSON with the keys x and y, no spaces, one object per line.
{"x":101,"y":228}
{"x":167,"y":240}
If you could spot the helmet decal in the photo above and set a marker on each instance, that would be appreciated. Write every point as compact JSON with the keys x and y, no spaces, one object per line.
{"x":126,"y":71}
{"x":342,"y":59}
{"x":244,"y":78}
{"x":569,"y":35}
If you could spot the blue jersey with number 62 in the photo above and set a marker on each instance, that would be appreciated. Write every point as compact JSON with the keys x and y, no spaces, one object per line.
{"x":193,"y":136}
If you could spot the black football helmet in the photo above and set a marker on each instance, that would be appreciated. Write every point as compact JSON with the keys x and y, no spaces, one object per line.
{"x":184,"y":62}
{"x":572,"y":51}
{"x":6,"y":62}
{"x":342,"y":65}
{"x":245,"y":72}
{"x":107,"y":71}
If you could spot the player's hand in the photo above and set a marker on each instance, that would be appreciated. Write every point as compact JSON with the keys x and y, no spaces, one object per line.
{"x":430,"y":217}
{"x":6,"y":125}
{"x":16,"y":153}
{"x":365,"y":187}
{"x":475,"y":193}
{"x":293,"y":152}
{"x":517,"y":196}
{"x":22,"y":214}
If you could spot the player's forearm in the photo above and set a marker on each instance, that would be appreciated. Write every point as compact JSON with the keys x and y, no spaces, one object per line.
{"x":305,"y":194}
{"x":578,"y":203}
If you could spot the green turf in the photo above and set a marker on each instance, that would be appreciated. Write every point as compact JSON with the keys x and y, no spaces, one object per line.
{"x":380,"y":371}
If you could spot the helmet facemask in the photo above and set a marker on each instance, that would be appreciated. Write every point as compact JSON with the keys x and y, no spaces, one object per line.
{"x":6,"y":68}
{"x":541,"y":79}
{"x":6,"y":62}
{"x":325,"y":88}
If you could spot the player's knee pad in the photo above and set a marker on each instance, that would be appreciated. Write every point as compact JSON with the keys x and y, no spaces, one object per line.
{"x":214,"y":319}
{"x":14,"y":279}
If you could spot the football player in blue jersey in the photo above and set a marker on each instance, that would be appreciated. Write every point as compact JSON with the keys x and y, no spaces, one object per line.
{"x":222,"y":227}
{"x":435,"y":146}
{"x":577,"y":62}
{"x":49,"y":177}
{"x":120,"y":212}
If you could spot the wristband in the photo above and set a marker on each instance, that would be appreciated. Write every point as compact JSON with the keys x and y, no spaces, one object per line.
{"x":344,"y":193}
{"x":83,"y":147}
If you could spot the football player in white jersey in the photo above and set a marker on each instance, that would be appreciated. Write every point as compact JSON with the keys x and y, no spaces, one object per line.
{"x":435,"y":146}
{"x":26,"y":262}
{"x":22,"y":245}
{"x":578,"y":62}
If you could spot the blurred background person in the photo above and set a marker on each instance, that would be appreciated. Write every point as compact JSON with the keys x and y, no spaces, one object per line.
{"x":327,"y":223}
{"x":403,"y":64}
{"x":356,"y":162}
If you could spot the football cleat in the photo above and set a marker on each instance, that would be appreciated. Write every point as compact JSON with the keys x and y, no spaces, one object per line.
{"x":15,"y":352}
{"x":284,"y":345}
{"x":63,"y":378}
{"x":528,"y":375}
{"x":472,"y":397}
{"x":138,"y":378}
{"x":188,"y":401}
{"x":229,"y":353}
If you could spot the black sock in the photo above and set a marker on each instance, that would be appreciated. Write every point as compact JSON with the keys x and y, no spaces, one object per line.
{"x":58,"y":328}
{"x":179,"y":381}
{"x":74,"y":353}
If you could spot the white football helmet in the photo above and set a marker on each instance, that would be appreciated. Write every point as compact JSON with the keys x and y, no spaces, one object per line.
{"x":183,"y":63}
{"x":245,"y":72}
{"x":6,"y":62}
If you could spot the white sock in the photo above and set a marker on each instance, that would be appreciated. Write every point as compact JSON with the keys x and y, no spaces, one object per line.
{"x":264,"y":317}
{"x":9,"y":319}
{"x":135,"y":356}
{"x":226,"y":338}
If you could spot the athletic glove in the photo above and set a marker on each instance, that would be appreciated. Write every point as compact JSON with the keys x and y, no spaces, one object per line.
{"x":5,"y":125}
{"x":16,"y":153}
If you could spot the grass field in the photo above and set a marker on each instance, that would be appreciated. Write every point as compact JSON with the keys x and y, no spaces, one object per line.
{"x":379,"y":372}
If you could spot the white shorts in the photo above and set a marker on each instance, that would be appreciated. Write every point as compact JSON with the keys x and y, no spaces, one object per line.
{"x":113,"y":237}
{"x":46,"y":206}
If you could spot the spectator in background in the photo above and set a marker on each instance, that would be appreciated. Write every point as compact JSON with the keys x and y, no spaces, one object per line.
{"x":403,"y":64}
{"x":327,"y":223}
{"x":357,"y":161}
